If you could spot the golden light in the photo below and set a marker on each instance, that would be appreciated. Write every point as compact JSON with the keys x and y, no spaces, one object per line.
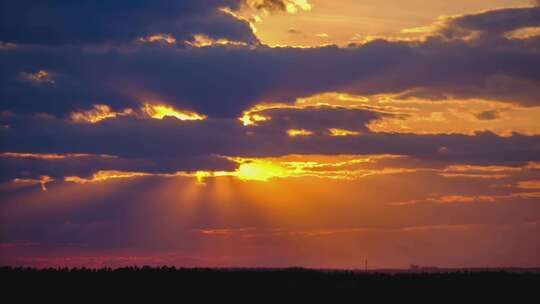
{"x":345,"y":167}
{"x":201,"y":40}
{"x":335,"y":167}
{"x":160,"y":111}
{"x":299,"y":132}
{"x":293,"y":6}
{"x":249,"y":119}
{"x":342,"y":132}
{"x":201,"y":175}
{"x":252,"y":116}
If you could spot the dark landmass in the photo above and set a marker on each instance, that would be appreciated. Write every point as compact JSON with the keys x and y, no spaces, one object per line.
{"x":513,"y":282}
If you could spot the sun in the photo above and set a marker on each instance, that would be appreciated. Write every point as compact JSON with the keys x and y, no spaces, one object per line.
{"x":259,"y":170}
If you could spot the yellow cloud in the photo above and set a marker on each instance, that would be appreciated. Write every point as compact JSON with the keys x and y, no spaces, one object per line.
{"x":160,"y":111}
{"x":260,"y":171}
{"x":532,"y":184}
{"x":299,"y":132}
{"x":249,"y":119}
{"x":342,"y":132}
{"x":157,"y":111}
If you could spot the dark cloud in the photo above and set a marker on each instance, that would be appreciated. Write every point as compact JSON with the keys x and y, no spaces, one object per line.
{"x":316,"y":119}
{"x":293,"y":31}
{"x":488,"y":115}
{"x":86,"y":166}
{"x":223,"y":81}
{"x":170,"y":145}
{"x":493,"y":23}
{"x":95,"y":22}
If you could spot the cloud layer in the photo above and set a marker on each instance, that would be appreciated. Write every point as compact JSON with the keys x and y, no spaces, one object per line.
{"x":159,"y":125}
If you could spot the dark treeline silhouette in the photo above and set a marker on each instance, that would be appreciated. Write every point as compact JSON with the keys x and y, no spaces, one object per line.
{"x":514,"y":282}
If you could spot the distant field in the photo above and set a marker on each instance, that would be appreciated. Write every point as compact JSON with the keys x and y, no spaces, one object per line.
{"x":477,"y":280}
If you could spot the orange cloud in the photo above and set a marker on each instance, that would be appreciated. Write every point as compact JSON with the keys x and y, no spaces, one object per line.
{"x":44,"y":179}
{"x":201,"y":40}
{"x":468,"y":199}
{"x":166,"y":39}
{"x":157,"y":111}
{"x":523,"y":33}
{"x":98,"y":113}
{"x":424,"y":116}
{"x":531,"y":184}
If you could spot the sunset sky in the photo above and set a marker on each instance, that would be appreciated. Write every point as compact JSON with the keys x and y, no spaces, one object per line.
{"x":270,"y":133}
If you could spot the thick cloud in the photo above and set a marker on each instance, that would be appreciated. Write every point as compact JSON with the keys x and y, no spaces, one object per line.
{"x":223,"y":81}
{"x":495,"y":22}
{"x":96,"y":22}
{"x":170,"y":145}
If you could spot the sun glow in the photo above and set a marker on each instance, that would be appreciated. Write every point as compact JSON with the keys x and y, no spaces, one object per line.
{"x":260,"y":171}
{"x":249,"y":119}
{"x":160,"y":111}
{"x":299,"y":132}
{"x":344,"y":167}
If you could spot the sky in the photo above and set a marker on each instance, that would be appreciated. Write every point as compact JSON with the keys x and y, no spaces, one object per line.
{"x":270,"y":133}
